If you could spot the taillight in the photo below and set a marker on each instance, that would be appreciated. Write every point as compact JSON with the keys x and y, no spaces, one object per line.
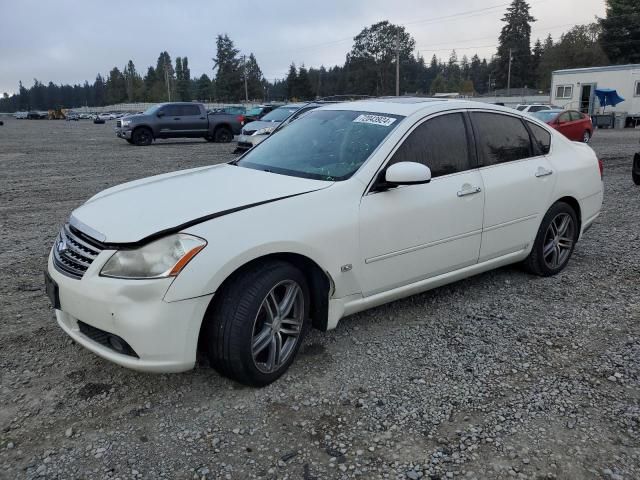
{"x":241,"y":119}
{"x":601,"y":167}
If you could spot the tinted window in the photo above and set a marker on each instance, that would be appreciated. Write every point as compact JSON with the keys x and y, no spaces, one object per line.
{"x":575,"y":116}
{"x":439,"y":143}
{"x":521,"y":107}
{"x":501,"y":138}
{"x":537,"y":108}
{"x":172,"y":110}
{"x":190,"y":110}
{"x":279,"y":114}
{"x":541,"y":137}
{"x":565,"y":117}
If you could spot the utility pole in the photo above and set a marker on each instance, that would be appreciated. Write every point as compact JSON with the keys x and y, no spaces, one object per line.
{"x":398,"y":64}
{"x":509,"y":75}
{"x":244,"y":65}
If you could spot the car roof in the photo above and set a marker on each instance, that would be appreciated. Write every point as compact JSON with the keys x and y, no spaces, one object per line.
{"x":406,"y":106}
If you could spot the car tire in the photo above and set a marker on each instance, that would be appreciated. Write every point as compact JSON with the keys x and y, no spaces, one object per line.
{"x":635,"y":172}
{"x":247,"y":337}
{"x":222,"y":135}
{"x":555,"y":241}
{"x":586,"y":136}
{"x":142,"y":137}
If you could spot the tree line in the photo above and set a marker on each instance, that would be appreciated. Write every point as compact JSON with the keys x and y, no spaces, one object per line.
{"x":369,"y":67}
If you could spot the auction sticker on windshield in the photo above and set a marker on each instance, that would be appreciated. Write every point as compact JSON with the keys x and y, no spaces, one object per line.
{"x":374,"y":119}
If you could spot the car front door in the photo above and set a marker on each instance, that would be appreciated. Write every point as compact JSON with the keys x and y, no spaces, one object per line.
{"x":168,"y":121}
{"x":518,"y":181}
{"x":414,"y":232}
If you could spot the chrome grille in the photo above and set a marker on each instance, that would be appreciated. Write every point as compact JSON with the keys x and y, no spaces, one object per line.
{"x":248,"y":132}
{"x":119,"y":123}
{"x":71,"y":254}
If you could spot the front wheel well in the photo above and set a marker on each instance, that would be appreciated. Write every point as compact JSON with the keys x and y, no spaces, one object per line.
{"x":573,"y":203}
{"x":319,"y":282}
{"x":140,"y":127}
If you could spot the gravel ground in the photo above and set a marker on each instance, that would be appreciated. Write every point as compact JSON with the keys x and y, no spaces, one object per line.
{"x":503,"y":375}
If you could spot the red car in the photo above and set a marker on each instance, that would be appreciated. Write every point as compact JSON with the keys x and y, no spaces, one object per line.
{"x":572,"y":124}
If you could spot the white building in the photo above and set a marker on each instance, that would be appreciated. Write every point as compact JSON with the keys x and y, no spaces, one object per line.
{"x":574,"y":89}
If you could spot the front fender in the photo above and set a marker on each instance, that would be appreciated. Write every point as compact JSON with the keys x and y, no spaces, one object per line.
{"x":207,"y":272}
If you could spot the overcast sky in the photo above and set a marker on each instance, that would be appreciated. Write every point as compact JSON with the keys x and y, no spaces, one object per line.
{"x":69,"y":41}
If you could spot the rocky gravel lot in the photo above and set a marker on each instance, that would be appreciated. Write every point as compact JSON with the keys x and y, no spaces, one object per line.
{"x":504,"y":375}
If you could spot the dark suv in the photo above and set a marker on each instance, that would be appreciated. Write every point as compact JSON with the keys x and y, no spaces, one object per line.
{"x":178,"y":120}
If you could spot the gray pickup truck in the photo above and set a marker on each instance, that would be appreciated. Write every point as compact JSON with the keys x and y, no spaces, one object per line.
{"x":178,"y":120}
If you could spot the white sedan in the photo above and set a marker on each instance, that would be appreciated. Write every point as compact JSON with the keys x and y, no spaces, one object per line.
{"x":352,"y":206}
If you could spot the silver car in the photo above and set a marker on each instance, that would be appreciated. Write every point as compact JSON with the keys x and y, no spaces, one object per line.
{"x":255,"y":132}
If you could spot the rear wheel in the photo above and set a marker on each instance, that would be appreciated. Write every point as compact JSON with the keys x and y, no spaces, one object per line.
{"x":257,"y":323}
{"x":555,"y":241}
{"x":223,"y":135}
{"x":586,"y":136}
{"x":142,"y":136}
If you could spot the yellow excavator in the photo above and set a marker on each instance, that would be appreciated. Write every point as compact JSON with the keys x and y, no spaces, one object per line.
{"x":57,"y":114}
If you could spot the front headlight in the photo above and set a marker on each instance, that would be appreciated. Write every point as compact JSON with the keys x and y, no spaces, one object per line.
{"x":265,"y":131}
{"x":125,"y":123}
{"x":159,"y":259}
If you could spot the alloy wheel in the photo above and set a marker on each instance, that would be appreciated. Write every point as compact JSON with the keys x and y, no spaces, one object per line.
{"x":558,"y":241}
{"x":277,"y":326}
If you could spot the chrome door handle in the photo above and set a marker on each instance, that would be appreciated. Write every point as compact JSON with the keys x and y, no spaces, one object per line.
{"x":469,"y":191}
{"x":543,"y":172}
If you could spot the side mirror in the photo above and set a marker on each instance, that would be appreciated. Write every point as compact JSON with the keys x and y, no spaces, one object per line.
{"x":403,"y":173}
{"x":160,"y":114}
{"x":407,"y":173}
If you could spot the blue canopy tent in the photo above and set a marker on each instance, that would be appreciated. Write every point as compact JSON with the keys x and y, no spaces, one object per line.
{"x":608,"y":96}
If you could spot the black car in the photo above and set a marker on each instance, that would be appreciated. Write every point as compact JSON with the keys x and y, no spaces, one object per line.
{"x":256,"y":113}
{"x":635,"y":169}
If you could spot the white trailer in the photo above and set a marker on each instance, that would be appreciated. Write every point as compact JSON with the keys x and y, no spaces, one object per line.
{"x":574,"y":89}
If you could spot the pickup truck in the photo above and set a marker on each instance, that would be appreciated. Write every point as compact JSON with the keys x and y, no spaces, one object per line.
{"x":178,"y":120}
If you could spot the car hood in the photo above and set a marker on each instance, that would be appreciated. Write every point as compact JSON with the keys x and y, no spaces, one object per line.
{"x":138,"y":211}
{"x":258,"y":124}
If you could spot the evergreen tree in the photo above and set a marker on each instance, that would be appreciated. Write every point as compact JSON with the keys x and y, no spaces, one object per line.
{"x":515,"y":41}
{"x":116,"y":91}
{"x":229,"y":81}
{"x":178,"y":78}
{"x":255,"y":86}
{"x":536,"y":57}
{"x":184,"y":81}
{"x":439,"y":84}
{"x":621,"y":31}
{"x":303,"y":90}
{"x":578,"y":47}
{"x":292,"y":81}
{"x":203,"y":88}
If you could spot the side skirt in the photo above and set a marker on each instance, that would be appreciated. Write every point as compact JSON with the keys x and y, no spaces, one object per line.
{"x":341,"y":307}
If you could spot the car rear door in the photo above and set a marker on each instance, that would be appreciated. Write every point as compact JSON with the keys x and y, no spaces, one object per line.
{"x":564,"y":125}
{"x":518,"y":181}
{"x":193,"y":121}
{"x":414,"y":232}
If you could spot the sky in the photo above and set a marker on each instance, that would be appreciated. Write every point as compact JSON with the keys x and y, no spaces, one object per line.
{"x":69,"y":41}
